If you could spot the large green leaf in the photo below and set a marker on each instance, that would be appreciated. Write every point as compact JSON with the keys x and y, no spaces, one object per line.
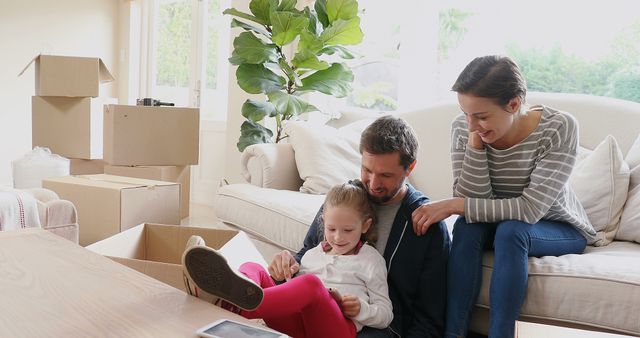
{"x":315,"y":27}
{"x":235,"y":12}
{"x":286,"y":26}
{"x":257,"y":110}
{"x":341,"y":10}
{"x":256,"y":79}
{"x":342,"y":51}
{"x":289,"y":105}
{"x":308,"y":60}
{"x":253,"y":133}
{"x":310,"y":42}
{"x":247,"y":27}
{"x":262,"y":9}
{"x":321,"y":10}
{"x":335,"y":80}
{"x":343,"y":32}
{"x":250,"y":49}
{"x":287,"y":6}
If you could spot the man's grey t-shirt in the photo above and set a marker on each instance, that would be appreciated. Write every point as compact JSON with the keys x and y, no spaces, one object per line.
{"x":385,"y":213}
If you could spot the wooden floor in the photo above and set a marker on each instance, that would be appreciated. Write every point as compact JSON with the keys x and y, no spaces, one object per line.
{"x":204,"y":216}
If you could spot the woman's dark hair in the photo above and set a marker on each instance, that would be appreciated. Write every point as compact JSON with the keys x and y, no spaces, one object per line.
{"x":494,"y":77}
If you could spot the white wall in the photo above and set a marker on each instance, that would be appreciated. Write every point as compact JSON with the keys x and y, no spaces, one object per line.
{"x":63,"y":27}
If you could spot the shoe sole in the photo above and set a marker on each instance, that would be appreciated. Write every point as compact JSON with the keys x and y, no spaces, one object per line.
{"x":211,"y":273}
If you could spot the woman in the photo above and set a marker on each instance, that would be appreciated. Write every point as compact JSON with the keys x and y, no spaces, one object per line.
{"x":511,"y":167}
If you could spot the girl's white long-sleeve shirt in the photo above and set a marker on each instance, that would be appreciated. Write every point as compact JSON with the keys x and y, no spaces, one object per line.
{"x":363,"y":275}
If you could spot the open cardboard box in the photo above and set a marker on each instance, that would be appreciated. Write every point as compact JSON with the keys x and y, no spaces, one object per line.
{"x":58,"y":75}
{"x":156,"y":249}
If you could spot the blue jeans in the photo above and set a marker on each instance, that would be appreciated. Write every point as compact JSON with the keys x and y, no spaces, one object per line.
{"x":513,"y":242}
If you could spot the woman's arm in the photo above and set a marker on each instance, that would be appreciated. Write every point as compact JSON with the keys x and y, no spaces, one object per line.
{"x":469,"y":163}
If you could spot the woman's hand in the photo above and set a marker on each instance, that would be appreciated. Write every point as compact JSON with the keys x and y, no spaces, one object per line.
{"x":436,"y":211}
{"x":350,"y":306}
{"x":475,"y":141}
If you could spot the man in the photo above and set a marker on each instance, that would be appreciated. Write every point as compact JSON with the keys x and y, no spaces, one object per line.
{"x":416,"y":265}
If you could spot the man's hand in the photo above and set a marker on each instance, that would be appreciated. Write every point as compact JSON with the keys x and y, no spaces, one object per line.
{"x":283,"y":266}
{"x":433,"y":212}
{"x":350,"y":306}
{"x":475,"y":141}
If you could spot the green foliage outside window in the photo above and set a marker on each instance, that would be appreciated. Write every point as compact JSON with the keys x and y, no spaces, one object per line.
{"x":174,"y":44}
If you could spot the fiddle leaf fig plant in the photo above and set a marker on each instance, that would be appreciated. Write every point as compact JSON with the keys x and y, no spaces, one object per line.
{"x":321,"y":34}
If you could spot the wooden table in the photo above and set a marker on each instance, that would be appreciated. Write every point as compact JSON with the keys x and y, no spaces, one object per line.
{"x":535,"y":330}
{"x":51,"y":287}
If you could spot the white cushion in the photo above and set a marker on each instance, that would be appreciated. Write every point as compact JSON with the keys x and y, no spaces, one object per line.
{"x":629,"y":229}
{"x":601,"y":181}
{"x":281,"y":217}
{"x":325,"y":156}
{"x":600,"y":287}
{"x":633,"y":156}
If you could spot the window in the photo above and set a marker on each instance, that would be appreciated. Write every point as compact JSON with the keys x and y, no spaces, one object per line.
{"x":414,"y":50}
{"x":188,"y":44}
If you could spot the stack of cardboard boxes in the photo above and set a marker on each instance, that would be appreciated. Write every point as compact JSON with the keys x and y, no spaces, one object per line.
{"x":98,"y":136}
{"x":67,"y":111}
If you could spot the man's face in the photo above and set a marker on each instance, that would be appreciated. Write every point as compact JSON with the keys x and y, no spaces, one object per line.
{"x":383,"y":176}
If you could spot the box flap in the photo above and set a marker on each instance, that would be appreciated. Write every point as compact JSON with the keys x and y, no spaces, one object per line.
{"x":29,"y":64}
{"x":240,"y":250}
{"x":104,"y":74}
{"x":127,"y":244}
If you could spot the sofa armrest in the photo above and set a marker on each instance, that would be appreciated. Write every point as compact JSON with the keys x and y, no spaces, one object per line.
{"x":56,"y":215}
{"x":271,"y":165}
{"x":61,"y":218}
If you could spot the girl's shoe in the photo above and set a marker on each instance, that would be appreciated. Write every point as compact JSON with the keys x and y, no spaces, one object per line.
{"x":209,"y":271}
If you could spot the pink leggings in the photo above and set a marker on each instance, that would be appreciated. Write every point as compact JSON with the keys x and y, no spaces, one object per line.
{"x":301,"y":307}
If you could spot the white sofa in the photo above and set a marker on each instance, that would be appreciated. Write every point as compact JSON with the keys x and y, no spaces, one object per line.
{"x":598,"y":290}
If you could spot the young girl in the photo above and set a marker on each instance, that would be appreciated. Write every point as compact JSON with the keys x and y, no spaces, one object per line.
{"x":310,"y":304}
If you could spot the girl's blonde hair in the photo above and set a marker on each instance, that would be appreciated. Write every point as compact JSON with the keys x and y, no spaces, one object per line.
{"x":353,"y":194}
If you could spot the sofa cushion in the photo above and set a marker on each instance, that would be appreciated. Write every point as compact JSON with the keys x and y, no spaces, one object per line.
{"x":281,"y":217}
{"x":323,"y":156}
{"x":601,"y":183}
{"x":599,"y":288}
{"x":633,"y":156}
{"x":629,"y":229}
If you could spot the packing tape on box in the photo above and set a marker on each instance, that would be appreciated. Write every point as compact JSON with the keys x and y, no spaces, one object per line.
{"x":88,"y":177}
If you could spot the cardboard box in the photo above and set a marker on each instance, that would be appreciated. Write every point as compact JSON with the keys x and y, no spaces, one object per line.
{"x":69,"y":126}
{"x":69,"y":75}
{"x":156,"y":250}
{"x":109,"y":204}
{"x":142,"y":135}
{"x":177,"y":174}
{"x":78,"y":166}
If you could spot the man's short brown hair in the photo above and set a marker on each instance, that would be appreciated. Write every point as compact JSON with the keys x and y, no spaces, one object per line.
{"x":389,"y":134}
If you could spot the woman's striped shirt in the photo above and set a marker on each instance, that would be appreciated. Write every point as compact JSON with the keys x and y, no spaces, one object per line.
{"x":526,"y":182}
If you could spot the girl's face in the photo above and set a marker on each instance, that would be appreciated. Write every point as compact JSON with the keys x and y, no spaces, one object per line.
{"x":493,"y":123}
{"x":343,"y":227}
